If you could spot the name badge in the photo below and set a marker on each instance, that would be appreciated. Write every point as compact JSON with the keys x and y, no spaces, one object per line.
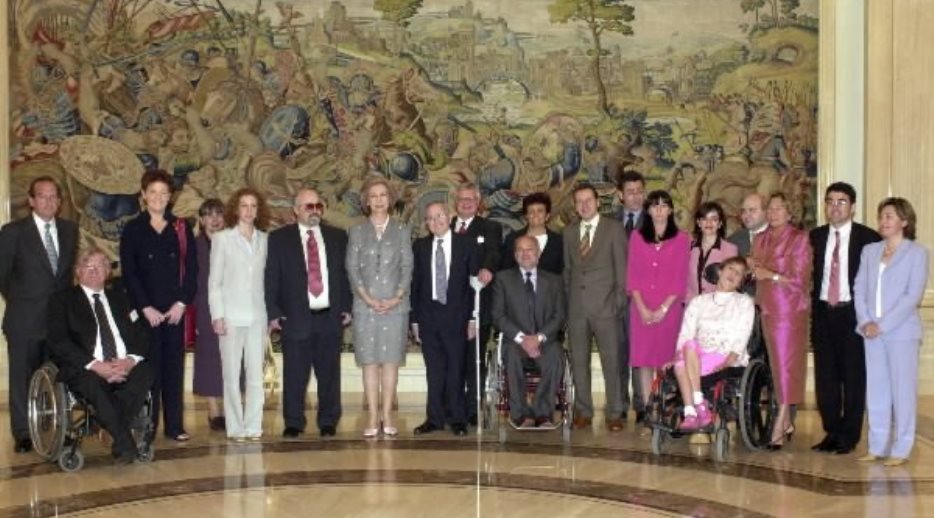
{"x":134,"y":316}
{"x":480,"y":239}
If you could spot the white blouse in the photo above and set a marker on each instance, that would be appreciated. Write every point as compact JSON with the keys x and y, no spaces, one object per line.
{"x":720,"y":322}
{"x":879,"y":291}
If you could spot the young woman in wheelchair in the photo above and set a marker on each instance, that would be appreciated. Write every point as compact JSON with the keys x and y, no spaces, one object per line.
{"x":714,"y":334}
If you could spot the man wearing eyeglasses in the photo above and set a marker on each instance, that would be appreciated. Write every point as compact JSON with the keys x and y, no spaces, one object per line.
{"x":839,"y":357}
{"x":308,"y":299}
{"x":37,"y":257}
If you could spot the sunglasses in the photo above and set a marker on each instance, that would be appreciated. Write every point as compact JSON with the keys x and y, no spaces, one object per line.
{"x":314,"y":206}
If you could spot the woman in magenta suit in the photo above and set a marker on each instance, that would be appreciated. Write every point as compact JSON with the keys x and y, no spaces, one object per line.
{"x":656,"y":279}
{"x":781,"y":257}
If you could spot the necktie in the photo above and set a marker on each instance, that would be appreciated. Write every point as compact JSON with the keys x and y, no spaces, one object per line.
{"x":833,"y":287}
{"x":441,"y":274}
{"x":50,"y":248}
{"x":585,"y":241}
{"x":108,"y":343}
{"x":630,"y":223}
{"x":315,"y":285}
{"x":530,"y":299}
{"x":463,"y":228}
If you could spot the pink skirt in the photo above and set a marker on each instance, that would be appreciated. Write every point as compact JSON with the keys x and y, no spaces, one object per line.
{"x":708,"y":360}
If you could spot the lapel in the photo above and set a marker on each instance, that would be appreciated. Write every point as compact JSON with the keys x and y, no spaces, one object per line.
{"x":900,"y":253}
{"x":65,"y":246}
{"x":83,"y":312}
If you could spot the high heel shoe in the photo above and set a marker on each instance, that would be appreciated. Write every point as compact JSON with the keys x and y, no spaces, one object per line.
{"x":777,"y":444}
{"x":370,"y":433}
{"x":390,"y":431}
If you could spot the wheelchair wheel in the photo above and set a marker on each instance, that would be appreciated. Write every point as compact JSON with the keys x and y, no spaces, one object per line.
{"x":659,"y":437}
{"x":493,"y":383}
{"x":757,"y":405}
{"x":568,"y":403}
{"x":721,"y":445}
{"x":71,"y":461}
{"x":48,"y":412}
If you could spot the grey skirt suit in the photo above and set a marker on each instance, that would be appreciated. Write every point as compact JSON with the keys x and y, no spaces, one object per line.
{"x":383,"y":268}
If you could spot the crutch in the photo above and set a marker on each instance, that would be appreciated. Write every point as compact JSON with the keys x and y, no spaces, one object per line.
{"x":477,"y":287}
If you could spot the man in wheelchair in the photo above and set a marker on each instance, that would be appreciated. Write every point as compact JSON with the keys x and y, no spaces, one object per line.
{"x":528,"y":308}
{"x":99,"y":342}
{"x":714,"y":335}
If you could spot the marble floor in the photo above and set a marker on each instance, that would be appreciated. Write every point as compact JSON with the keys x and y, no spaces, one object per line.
{"x":596,"y":474}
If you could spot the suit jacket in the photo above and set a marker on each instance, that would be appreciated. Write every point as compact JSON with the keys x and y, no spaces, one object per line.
{"x":26,"y":278}
{"x":860,"y":236}
{"x":286,"y":283}
{"x":903,"y":283}
{"x":551,"y":260}
{"x":786,"y":252}
{"x":151,"y":263}
{"x":620,"y":216}
{"x":510,"y":305}
{"x":596,"y":285}
{"x":488,"y":235}
{"x":235,"y":282}
{"x":460,"y":296}
{"x":73,"y":329}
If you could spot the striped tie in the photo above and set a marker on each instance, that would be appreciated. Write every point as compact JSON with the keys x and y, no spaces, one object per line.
{"x":585,"y":241}
{"x":50,"y":248}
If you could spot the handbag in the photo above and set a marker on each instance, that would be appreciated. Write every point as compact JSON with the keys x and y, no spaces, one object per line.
{"x":189,"y":321}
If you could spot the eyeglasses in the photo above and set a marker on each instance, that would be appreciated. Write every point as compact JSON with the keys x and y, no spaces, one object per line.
{"x":95,"y":267}
{"x":314,"y":206}
{"x":839,"y":202}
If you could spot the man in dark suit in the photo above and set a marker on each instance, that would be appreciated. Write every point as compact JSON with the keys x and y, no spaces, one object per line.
{"x":442,"y":303}
{"x":308,"y":299}
{"x":753,"y":215}
{"x":528,"y":308}
{"x":595,"y":283}
{"x":839,"y":356}
{"x":99,"y":342}
{"x":37,"y":257}
{"x":488,"y":236}
{"x":630,"y":189}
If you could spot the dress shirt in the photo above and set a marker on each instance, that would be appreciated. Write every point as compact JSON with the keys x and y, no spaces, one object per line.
{"x":844,"y":256}
{"x":542,"y":241}
{"x":465,"y":222}
{"x":98,"y":348}
{"x":522,"y":271}
{"x":40,"y":224}
{"x":720,"y":322}
{"x":446,"y":246}
{"x":322,"y":301}
{"x":593,"y":227}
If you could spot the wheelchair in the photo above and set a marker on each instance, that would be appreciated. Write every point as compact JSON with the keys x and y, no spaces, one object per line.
{"x":496,"y":403}
{"x":59,"y":420}
{"x":742,"y":395}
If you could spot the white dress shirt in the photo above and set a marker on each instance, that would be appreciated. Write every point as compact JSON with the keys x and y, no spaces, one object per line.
{"x":520,"y":335}
{"x":98,"y":348}
{"x":844,"y":256}
{"x":593,"y":227}
{"x":322,"y":301}
{"x":460,"y":221}
{"x":40,"y":224}
{"x":446,"y":246}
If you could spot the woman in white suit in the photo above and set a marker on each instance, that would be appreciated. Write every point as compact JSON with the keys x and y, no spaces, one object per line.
{"x":238,"y":309}
{"x":888,"y":289}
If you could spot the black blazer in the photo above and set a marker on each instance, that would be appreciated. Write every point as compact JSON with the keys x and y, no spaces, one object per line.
{"x":492,"y":234}
{"x":551,"y":260}
{"x":73,"y":329}
{"x":464,"y":263}
{"x":286,"y":281}
{"x":150,"y":264}
{"x":26,"y":279}
{"x":860,"y":236}
{"x":510,"y":306}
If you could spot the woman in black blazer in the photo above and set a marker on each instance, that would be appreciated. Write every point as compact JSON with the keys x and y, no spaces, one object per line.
{"x":536,"y":208}
{"x":158,"y":259}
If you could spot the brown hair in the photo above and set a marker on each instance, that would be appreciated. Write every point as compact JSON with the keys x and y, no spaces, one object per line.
{"x":233,"y":205}
{"x":371,"y":182}
{"x":156,"y":176}
{"x":791,"y":206}
{"x":43,"y":179}
{"x":905,"y":212}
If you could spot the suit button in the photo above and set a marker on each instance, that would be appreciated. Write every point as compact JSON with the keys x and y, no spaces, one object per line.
{"x":655,"y":264}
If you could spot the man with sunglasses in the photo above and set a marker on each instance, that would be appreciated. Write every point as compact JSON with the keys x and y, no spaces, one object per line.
{"x":839,"y":357}
{"x":308,"y":299}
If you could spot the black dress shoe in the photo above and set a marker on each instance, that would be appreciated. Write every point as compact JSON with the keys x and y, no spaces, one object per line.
{"x":328,"y":430}
{"x":826,"y":445}
{"x":472,"y":420}
{"x":426,"y":427}
{"x":640,"y":416}
{"x":292,"y":433}
{"x":459,"y":429}
{"x":843,"y":449}
{"x":23,"y":446}
{"x":125,"y":458}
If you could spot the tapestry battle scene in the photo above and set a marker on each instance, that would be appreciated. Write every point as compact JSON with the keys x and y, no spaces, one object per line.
{"x":710,"y":99}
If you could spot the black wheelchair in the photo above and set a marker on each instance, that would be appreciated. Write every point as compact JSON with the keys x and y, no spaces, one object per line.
{"x":496,"y":403}
{"x":59,"y":420}
{"x":741,"y":395}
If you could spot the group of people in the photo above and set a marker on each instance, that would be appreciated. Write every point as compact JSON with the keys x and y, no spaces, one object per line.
{"x":631,"y":282}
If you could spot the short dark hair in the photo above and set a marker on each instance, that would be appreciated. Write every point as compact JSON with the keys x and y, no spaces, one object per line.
{"x":42,"y":179}
{"x":156,"y":176}
{"x":905,"y":212}
{"x":211,"y":206}
{"x":629,"y":177}
{"x":706,"y":208}
{"x":584,"y":186}
{"x":647,"y":228}
{"x":842,"y":188}
{"x":536,"y":198}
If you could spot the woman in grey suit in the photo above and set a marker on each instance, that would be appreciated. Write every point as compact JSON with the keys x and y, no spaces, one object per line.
{"x":238,"y":309}
{"x":379,"y":265}
{"x":888,"y":289}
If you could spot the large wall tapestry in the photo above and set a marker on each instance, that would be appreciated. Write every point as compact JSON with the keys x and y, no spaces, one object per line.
{"x":710,"y":99}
